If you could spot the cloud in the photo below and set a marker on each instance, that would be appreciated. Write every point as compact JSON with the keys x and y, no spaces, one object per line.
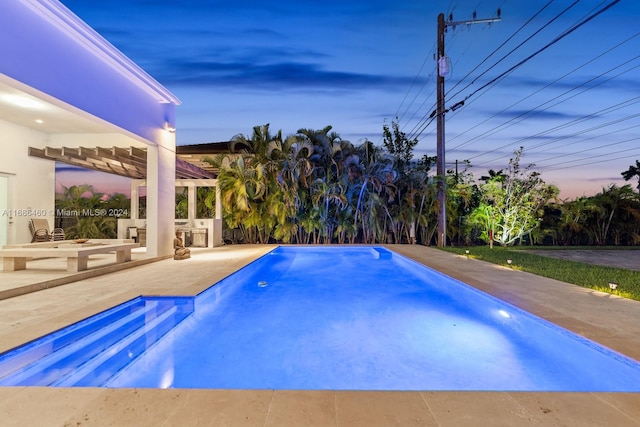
{"x":286,"y":75}
{"x":575,"y":82}
{"x":538,"y":115}
{"x":613,"y":178}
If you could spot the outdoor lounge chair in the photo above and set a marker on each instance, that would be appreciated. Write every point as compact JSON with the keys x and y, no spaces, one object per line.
{"x":41,"y":232}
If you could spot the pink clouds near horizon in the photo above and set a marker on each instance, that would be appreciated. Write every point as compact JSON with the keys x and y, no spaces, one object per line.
{"x":105,"y":183}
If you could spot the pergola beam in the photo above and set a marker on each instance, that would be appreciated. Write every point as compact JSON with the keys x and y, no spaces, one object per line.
{"x":130,"y":162}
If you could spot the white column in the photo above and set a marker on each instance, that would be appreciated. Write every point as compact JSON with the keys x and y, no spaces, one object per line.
{"x":135,"y":199}
{"x":161,"y":195}
{"x":218,"y":201}
{"x":191,"y":194}
{"x":216,"y":239}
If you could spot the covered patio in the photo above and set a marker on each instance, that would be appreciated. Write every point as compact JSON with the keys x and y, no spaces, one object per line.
{"x":131,"y":162}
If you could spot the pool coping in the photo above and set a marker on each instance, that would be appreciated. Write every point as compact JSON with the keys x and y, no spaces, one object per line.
{"x":574,"y":308}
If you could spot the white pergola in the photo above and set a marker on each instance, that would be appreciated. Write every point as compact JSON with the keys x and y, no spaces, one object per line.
{"x":131,"y":162}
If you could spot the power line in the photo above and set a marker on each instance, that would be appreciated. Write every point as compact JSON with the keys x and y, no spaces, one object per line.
{"x":573,"y":135}
{"x":415,"y":79}
{"x":424,"y":123}
{"x":511,"y":51}
{"x":523,"y":61}
{"x":542,"y":49}
{"x":537,"y":109}
{"x":591,"y":160}
{"x":614,"y":122}
{"x":605,"y":52}
{"x":611,"y":144}
{"x":421,"y":124}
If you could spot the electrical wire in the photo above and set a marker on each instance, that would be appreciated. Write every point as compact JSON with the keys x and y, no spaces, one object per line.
{"x":573,"y":135}
{"x":565,"y":166}
{"x":559,"y":156}
{"x":415,"y":79}
{"x":412,"y":135}
{"x":426,"y":121}
{"x":538,"y":109}
{"x":522,"y":27}
{"x":572,"y":29}
{"x":545,"y":47}
{"x":602,"y":54}
{"x":600,"y":160}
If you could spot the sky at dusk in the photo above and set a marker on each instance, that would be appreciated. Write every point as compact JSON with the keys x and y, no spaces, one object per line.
{"x":560,"y":78}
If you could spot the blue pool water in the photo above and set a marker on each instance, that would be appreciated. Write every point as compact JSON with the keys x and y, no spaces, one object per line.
{"x":339,"y":318}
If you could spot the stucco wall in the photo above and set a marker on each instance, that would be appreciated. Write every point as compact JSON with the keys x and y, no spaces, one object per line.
{"x":32,"y":180}
{"x":85,"y":73}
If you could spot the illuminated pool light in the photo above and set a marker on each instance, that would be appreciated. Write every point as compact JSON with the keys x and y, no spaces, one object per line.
{"x":504,"y":314}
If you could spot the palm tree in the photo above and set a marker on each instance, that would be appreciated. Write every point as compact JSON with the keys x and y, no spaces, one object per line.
{"x":206,"y":202}
{"x":325,"y":148}
{"x":606,"y":205}
{"x":182,"y":203}
{"x":493,"y":175}
{"x":260,"y":142}
{"x":633,"y":171}
{"x":573,"y":216}
{"x":242,"y":185}
{"x":374,"y":176}
{"x":90,"y":216}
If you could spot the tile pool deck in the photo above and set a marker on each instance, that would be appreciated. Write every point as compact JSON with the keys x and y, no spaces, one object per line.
{"x":602,"y":317}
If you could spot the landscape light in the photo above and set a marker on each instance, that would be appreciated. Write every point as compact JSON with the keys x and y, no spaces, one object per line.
{"x":467,"y":252}
{"x":613,"y":285}
{"x":509,"y":261}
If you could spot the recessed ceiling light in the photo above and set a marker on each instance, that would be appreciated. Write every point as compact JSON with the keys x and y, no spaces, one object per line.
{"x":39,"y":121}
{"x":24,"y":102}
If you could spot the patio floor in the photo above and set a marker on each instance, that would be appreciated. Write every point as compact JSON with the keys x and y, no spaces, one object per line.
{"x":602,"y":317}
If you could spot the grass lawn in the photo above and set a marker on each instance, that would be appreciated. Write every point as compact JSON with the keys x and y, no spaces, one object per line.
{"x":579,"y":273}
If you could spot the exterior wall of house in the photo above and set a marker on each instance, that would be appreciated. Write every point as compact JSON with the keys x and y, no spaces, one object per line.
{"x":31,"y":180}
{"x":69,"y":65}
{"x":54,"y":52}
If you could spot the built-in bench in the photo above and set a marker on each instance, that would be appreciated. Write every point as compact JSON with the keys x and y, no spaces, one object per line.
{"x":15,"y":257}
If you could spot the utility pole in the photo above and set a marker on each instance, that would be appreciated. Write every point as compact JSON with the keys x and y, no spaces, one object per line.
{"x":441,"y":196}
{"x":441,"y":170}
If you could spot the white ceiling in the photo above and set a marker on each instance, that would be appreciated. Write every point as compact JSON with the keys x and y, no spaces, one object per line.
{"x":21,"y":108}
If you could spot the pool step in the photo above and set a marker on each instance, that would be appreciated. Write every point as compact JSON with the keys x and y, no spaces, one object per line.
{"x":48,"y":366}
{"x":103,"y":343}
{"x":101,"y":368}
{"x":381,"y":253}
{"x":22,"y":356}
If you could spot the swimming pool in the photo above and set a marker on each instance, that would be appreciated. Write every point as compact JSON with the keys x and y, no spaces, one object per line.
{"x":338,"y":318}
